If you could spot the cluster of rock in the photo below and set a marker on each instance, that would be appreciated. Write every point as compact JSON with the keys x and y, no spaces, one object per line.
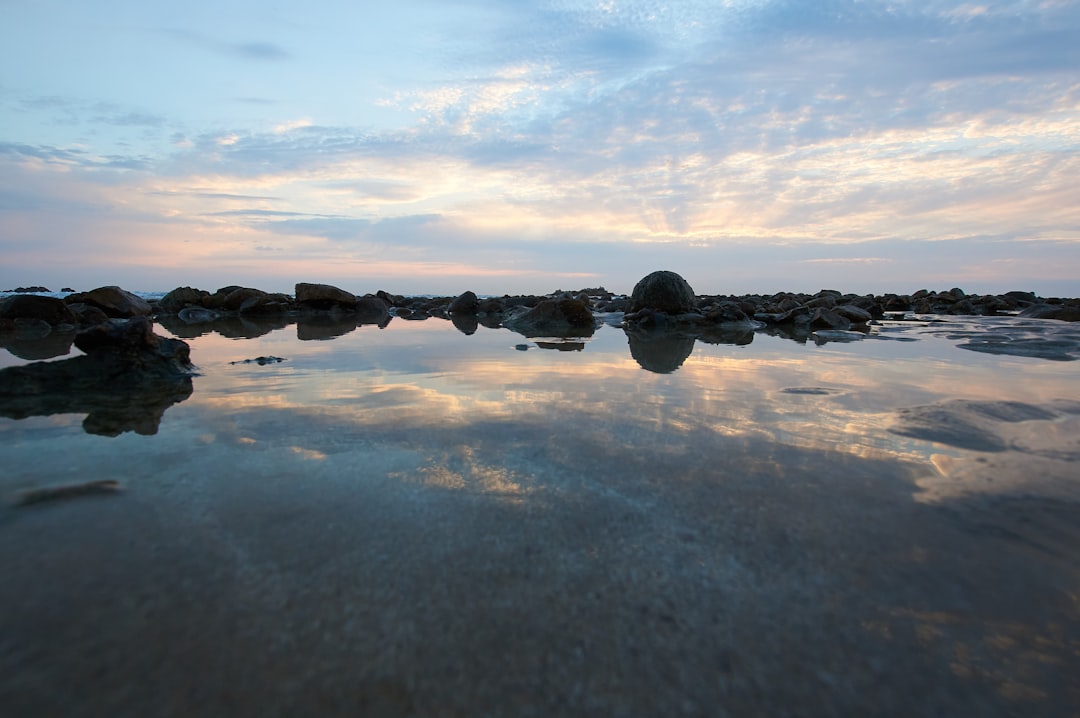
{"x":128,"y":375}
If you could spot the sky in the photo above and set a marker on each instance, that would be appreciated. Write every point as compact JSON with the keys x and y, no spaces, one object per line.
{"x":424,"y":146}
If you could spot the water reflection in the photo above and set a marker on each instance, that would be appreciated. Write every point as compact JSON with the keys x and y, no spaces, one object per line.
{"x":771,"y":527}
{"x":114,"y":399}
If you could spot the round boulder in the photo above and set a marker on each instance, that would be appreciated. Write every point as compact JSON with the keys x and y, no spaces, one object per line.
{"x":182,"y":297}
{"x":663,"y":291}
{"x":466,"y":303}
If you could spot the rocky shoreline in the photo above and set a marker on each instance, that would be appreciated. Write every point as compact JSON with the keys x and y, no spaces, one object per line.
{"x":128,"y":375}
{"x":35,"y":327}
{"x":660,"y":299}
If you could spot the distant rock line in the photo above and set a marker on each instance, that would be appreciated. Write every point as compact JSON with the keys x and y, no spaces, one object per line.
{"x":129,"y":375}
{"x":662,"y":307}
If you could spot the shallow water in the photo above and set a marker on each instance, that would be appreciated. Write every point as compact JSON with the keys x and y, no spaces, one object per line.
{"x":416,"y":521}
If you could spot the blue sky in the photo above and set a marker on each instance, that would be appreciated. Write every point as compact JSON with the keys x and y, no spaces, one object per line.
{"x":750,"y":145}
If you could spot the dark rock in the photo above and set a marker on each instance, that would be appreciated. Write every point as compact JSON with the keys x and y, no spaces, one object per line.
{"x":616,"y":305}
{"x":323,"y":296}
{"x":67,"y":289}
{"x":466,"y":303}
{"x":266,"y":304}
{"x":828,"y":319}
{"x":1018,"y":296}
{"x":28,"y":290}
{"x":135,"y":343}
{"x":182,"y":297}
{"x":553,"y":317}
{"x":50,"y":310}
{"x":491,"y":306}
{"x":372,"y":310}
{"x":237,"y":297}
{"x":393,"y":300}
{"x":663,"y":291}
{"x":217,"y":299}
{"x":726,"y":313}
{"x":117,"y":303}
{"x":197,"y":315}
{"x":1062,"y":312}
{"x":87,"y":315}
{"x":854,"y":314}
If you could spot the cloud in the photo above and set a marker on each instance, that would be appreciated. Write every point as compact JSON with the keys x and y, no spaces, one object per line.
{"x":254,"y":50}
{"x":555,"y":133}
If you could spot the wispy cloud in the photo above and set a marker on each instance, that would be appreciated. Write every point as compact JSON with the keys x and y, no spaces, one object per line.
{"x":250,"y":50}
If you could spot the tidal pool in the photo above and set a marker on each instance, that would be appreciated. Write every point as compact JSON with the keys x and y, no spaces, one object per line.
{"x":417,"y":521}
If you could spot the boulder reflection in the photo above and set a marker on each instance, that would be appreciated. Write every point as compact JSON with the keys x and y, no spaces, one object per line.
{"x":114,"y":399}
{"x":660,"y":351}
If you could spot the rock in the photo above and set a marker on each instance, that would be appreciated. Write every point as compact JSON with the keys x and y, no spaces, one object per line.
{"x":372,"y":310}
{"x":237,"y":297}
{"x":217,"y":299}
{"x":553,"y":317}
{"x":134,"y":342}
{"x":87,"y":315}
{"x":28,"y":290}
{"x":1062,"y":312}
{"x":854,"y":314}
{"x":828,"y":319}
{"x":466,"y":303}
{"x":323,"y":296}
{"x":266,"y":304}
{"x":117,"y":303}
{"x":394,"y":300}
{"x":726,"y":313}
{"x":491,"y":306}
{"x":197,"y":315}
{"x":50,"y":310}
{"x":182,"y":297}
{"x":663,"y":291}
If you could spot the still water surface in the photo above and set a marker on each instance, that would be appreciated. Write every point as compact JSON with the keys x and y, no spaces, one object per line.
{"x":416,"y":521}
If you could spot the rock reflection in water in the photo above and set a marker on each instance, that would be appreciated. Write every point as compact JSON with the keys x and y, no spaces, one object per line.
{"x":115,"y":398}
{"x":419,"y":522}
{"x":660,"y":351}
{"x":35,"y":347}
